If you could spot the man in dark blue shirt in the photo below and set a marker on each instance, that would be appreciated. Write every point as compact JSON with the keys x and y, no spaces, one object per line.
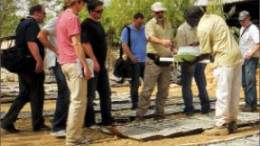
{"x":31,"y":82}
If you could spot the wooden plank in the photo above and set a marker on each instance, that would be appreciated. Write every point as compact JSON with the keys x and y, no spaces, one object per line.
{"x":122,"y":116}
{"x":248,"y":140}
{"x":242,"y":141}
{"x":152,"y":130}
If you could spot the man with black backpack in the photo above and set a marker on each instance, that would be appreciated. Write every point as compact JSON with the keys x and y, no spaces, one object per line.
{"x":30,"y":81}
{"x":134,"y":46}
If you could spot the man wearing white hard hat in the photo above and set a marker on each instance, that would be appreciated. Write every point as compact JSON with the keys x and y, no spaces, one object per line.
{"x":249,"y":45}
{"x":159,"y":35}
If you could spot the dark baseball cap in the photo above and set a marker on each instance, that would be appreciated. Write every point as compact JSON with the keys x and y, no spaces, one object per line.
{"x":243,"y":15}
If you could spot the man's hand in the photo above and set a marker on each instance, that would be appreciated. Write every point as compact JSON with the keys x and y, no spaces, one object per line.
{"x":249,"y":56}
{"x":96,"y":66}
{"x":133,"y":60}
{"x":39,"y":67}
{"x":87,"y":73}
{"x":167,"y":43}
{"x":174,"y":50}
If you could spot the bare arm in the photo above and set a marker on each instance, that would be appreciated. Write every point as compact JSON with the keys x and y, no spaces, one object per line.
{"x":165,"y":43}
{"x":89,"y":51}
{"x":255,"y":50}
{"x":129,"y":53}
{"x":81,"y":55}
{"x":33,"y":47}
{"x":43,"y":37}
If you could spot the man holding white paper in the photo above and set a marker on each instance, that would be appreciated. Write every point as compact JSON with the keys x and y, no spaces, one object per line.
{"x":216,"y":39}
{"x":186,"y":36}
{"x":159,"y":35}
{"x":93,"y":38}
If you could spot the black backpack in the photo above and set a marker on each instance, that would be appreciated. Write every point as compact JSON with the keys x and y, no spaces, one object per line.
{"x":17,"y":59}
{"x":123,"y":68}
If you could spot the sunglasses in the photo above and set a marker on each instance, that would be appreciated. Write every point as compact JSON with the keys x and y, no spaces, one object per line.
{"x":80,"y":1}
{"x":43,"y":13}
{"x":159,"y":12}
{"x":99,"y":11}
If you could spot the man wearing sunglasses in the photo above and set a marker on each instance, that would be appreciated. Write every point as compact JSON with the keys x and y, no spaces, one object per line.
{"x":93,"y":38}
{"x":70,"y":49}
{"x":159,"y":36}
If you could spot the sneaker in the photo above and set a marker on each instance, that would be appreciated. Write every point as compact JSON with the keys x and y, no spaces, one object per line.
{"x":10,"y":129}
{"x":82,"y":141}
{"x":157,"y":118}
{"x":217,"y":131}
{"x":232,"y":127}
{"x":249,"y":109}
{"x":59,"y":134}
{"x":139,"y":119}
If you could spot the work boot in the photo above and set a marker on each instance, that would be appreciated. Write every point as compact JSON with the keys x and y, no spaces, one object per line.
{"x":157,"y":117}
{"x":232,"y":127}
{"x":139,"y":119}
{"x":247,"y":108}
{"x":217,"y":131}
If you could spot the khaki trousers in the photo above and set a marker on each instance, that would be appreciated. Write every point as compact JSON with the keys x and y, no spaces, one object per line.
{"x":154,"y":74}
{"x":78,"y":102}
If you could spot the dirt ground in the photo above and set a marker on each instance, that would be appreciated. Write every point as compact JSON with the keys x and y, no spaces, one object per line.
{"x":28,"y":138}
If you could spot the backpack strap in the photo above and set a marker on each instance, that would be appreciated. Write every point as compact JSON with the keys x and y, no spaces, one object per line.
{"x":129,"y":41}
{"x":245,"y":29}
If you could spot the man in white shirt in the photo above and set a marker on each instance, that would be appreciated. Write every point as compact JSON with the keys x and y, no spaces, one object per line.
{"x":47,"y":36}
{"x":249,"y":45}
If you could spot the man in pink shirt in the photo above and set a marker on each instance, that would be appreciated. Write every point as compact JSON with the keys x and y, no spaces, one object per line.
{"x":70,"y":50}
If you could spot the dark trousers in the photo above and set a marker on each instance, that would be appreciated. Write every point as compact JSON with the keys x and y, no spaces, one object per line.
{"x":62,"y":103}
{"x":138,"y":71}
{"x":100,"y":82}
{"x":187,"y":72}
{"x":30,"y":89}
{"x":249,"y":81}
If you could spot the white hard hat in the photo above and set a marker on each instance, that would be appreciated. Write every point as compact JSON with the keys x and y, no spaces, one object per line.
{"x":157,"y":7}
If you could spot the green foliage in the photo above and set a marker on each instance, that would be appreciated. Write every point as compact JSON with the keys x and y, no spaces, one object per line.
{"x":120,"y":13}
{"x":8,"y":18}
{"x":215,"y":7}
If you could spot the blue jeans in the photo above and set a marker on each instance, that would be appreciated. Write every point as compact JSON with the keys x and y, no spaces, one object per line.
{"x":62,"y":103}
{"x":249,"y":81}
{"x":187,"y":72}
{"x":138,"y":71}
{"x":100,"y":82}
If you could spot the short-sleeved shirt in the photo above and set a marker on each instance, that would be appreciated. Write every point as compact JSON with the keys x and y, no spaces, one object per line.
{"x":50,"y":56}
{"x":152,"y":28}
{"x":27,"y":31}
{"x":67,"y":26}
{"x":93,"y":33}
{"x":249,"y":39}
{"x":216,"y":39}
{"x":138,"y":41}
{"x":186,"y":35}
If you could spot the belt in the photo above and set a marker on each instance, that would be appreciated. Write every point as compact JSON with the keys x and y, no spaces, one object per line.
{"x":156,"y":60}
